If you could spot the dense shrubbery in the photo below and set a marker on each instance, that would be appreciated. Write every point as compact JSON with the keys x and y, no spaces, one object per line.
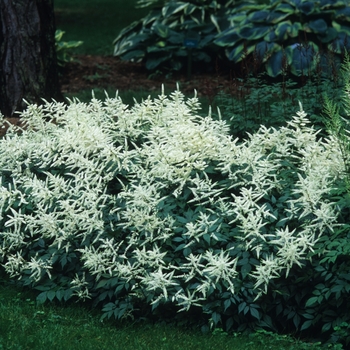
{"x":155,"y":208}
{"x":299,"y":36}
{"x":284,"y":36}
{"x":163,"y":37}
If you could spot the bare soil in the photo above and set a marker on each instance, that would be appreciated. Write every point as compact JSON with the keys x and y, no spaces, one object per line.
{"x":108,"y":71}
{"x":91,"y":72}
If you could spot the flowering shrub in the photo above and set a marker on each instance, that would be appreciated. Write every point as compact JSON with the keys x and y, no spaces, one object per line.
{"x":152,"y":206}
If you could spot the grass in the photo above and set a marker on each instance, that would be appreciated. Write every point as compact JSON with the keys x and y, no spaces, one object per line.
{"x":26,"y":325}
{"x":96,"y":22}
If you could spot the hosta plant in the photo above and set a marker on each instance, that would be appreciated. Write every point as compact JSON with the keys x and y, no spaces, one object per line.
{"x":63,"y":48}
{"x":155,"y":208}
{"x":165,"y":36}
{"x":295,"y":35}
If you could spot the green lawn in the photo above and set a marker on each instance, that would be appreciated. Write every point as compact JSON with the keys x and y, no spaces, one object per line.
{"x":96,"y":22}
{"x":26,"y":325}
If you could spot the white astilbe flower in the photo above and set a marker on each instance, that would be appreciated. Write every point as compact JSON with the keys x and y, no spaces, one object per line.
{"x":159,"y":281}
{"x":268,"y":269}
{"x":187,"y":300}
{"x":38,"y":268}
{"x":220,"y":267}
{"x":150,"y":258}
{"x":80,"y":287}
{"x":292,"y":247}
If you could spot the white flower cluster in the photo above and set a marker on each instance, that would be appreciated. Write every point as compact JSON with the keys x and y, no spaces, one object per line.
{"x":189,"y":198}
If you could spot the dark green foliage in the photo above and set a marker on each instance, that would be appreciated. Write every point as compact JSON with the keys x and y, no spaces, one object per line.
{"x":164,"y":37}
{"x":289,"y":35}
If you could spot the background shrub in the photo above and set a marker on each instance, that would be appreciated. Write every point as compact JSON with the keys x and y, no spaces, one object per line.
{"x":297,"y":36}
{"x":164,"y":38}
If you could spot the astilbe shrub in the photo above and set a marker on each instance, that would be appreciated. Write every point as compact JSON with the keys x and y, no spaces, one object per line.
{"x":153,"y":207}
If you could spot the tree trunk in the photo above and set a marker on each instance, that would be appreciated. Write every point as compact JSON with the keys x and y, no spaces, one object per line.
{"x":28,"y":65}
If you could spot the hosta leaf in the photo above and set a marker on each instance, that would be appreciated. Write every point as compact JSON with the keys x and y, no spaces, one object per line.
{"x":275,"y":17}
{"x":285,"y":8}
{"x":282,"y":30}
{"x":240,"y":51}
{"x":161,"y":30}
{"x":189,"y":9}
{"x":154,"y":62}
{"x":175,"y":38}
{"x":294,"y":3}
{"x":173,"y":7}
{"x":293,"y":31}
{"x":329,"y":36}
{"x":343,"y":14}
{"x":318,"y":26}
{"x":133,"y":55}
{"x":151,"y":17}
{"x":259,"y":16}
{"x":304,"y":58}
{"x":326,"y":4}
{"x":275,"y":64}
{"x":130,"y":28}
{"x":339,"y":44}
{"x":341,"y":28}
{"x":253,"y":32}
{"x":230,"y":38}
{"x":238,"y":18}
{"x":306,"y":7}
{"x":129,"y":43}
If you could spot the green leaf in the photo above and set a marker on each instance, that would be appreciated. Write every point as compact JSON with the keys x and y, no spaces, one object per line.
{"x":307,"y":324}
{"x":229,"y":323}
{"x":161,"y":30}
{"x":245,"y":270}
{"x":228,"y":38}
{"x":311,"y":301}
{"x":51,"y":295}
{"x":329,"y":36}
{"x":259,"y":16}
{"x":41,"y":298}
{"x":303,"y":58}
{"x":306,"y":7}
{"x":255,"y":313}
{"x":253,"y":32}
{"x":326,"y":327}
{"x":216,"y":317}
{"x":59,"y":294}
{"x":274,"y":64}
{"x":173,"y":7}
{"x":154,"y":62}
{"x":318,"y":26}
{"x":275,"y":16}
{"x":241,"y":307}
{"x":187,"y":251}
{"x":343,"y":14}
{"x":227,"y":304}
{"x":282,"y":30}
{"x":241,"y":51}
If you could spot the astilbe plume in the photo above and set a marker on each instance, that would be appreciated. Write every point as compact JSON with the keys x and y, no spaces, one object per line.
{"x":159,"y":203}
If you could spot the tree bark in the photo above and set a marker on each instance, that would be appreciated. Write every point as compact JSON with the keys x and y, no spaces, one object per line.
{"x":28,"y":64}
